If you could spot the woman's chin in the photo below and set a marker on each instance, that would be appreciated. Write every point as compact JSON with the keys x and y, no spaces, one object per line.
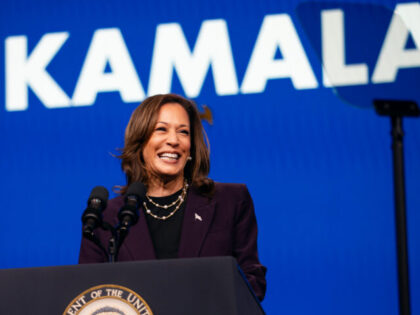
{"x":170,"y":174}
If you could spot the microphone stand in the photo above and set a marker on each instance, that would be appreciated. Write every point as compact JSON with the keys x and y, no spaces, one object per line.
{"x":112,"y":243}
{"x":118,"y":235}
{"x":396,"y":110}
{"x":127,"y":216}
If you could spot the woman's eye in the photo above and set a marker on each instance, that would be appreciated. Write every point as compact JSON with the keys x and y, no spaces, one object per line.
{"x":186,"y":132}
{"x":160,"y":129}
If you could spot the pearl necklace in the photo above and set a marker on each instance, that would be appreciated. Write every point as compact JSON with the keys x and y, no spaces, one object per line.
{"x":179,"y":200}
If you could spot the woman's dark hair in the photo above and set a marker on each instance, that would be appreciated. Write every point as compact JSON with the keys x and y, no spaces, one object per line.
{"x":139,"y":130}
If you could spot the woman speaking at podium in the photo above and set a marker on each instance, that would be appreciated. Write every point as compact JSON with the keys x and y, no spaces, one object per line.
{"x":185,"y":214}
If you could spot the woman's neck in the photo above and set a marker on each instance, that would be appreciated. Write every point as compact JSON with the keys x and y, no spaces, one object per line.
{"x":160,"y":187}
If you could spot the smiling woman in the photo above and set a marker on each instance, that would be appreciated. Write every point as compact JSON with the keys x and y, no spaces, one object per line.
{"x":185,"y":213}
{"x":163,"y":134}
{"x":167,"y":151}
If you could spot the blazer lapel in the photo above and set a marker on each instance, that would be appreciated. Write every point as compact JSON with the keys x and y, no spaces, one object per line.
{"x":138,"y":243}
{"x":198,"y":216}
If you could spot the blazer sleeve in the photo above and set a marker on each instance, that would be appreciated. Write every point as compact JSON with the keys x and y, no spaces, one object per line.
{"x":245,"y":244}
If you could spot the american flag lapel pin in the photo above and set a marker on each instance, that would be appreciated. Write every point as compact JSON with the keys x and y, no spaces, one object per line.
{"x":197,"y":217}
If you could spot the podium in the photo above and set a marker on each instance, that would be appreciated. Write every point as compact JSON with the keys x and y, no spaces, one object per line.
{"x":201,"y":286}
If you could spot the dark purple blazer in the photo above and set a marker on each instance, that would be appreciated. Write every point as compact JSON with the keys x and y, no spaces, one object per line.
{"x":224,"y":225}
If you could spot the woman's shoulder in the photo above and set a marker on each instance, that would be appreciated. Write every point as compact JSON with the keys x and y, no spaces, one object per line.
{"x":113,"y":206}
{"x":117,"y":201}
{"x":230,"y":186}
{"x":230,"y":190}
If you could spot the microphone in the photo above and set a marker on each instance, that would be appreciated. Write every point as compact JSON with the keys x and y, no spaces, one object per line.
{"x":129,"y":214}
{"x":92,"y":216}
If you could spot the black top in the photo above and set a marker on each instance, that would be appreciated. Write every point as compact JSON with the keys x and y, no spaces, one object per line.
{"x":165,"y":234}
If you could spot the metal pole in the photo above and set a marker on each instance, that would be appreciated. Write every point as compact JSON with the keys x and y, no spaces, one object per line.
{"x":400,"y":214}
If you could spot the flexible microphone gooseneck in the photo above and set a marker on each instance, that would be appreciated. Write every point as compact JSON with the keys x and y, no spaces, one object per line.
{"x":129,"y":213}
{"x":92,"y":216}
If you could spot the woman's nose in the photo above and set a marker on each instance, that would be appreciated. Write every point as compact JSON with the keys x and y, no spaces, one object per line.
{"x":172,"y":138}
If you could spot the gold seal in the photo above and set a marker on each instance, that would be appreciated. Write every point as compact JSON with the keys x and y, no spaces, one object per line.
{"x":108,"y":299}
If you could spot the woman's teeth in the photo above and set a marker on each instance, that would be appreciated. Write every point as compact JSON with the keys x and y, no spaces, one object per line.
{"x":169,"y":156}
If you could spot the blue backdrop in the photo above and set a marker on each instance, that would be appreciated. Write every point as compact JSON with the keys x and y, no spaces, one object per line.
{"x":290,"y":86}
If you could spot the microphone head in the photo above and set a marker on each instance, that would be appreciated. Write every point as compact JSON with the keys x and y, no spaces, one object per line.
{"x":92,"y":216}
{"x":136,"y":189}
{"x":129,"y":214}
{"x":101,"y":193}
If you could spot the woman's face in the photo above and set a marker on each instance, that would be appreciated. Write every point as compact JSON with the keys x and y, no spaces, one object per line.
{"x":166,"y":152}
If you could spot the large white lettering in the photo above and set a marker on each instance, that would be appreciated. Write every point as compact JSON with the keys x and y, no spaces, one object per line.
{"x":335,"y":71}
{"x":278,"y":32}
{"x":23,"y":72}
{"x":107,"y":47}
{"x":212,"y":50}
{"x":171,"y":52}
{"x":393,"y":55}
